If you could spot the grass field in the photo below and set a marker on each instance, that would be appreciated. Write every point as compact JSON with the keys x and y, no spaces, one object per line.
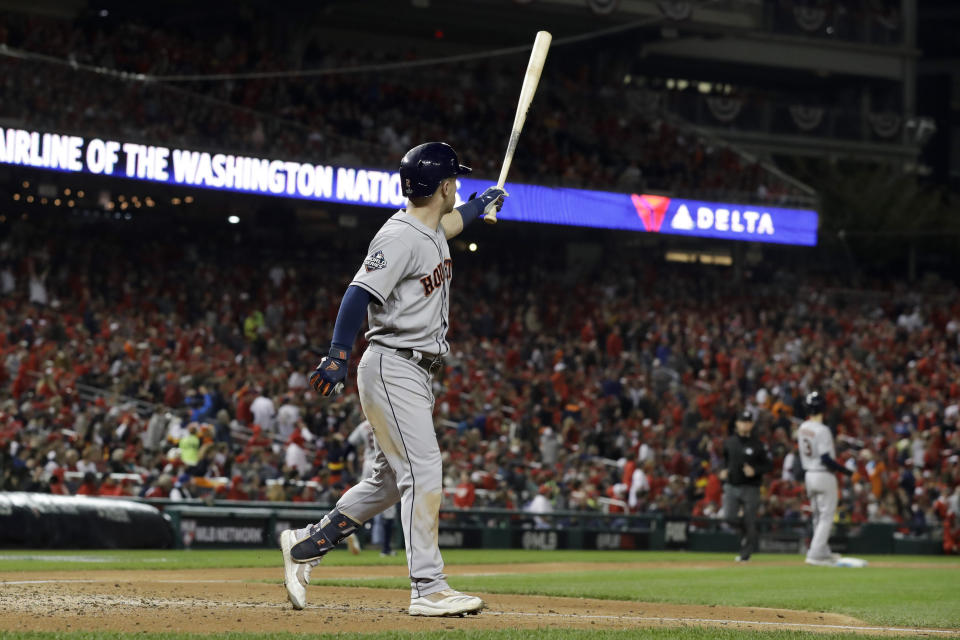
{"x":895,"y":591}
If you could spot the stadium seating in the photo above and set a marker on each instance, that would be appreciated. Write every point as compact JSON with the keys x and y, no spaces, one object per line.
{"x":366,"y":119}
{"x":183,"y":374}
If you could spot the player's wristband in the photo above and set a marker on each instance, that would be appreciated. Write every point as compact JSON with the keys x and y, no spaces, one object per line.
{"x":471,"y":209}
{"x":476,"y":207}
{"x":339,"y":351}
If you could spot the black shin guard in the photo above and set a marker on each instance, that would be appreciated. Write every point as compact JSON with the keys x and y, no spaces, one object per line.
{"x":323,"y":537}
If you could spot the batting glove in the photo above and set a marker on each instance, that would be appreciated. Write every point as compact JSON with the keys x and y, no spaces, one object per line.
{"x":492,"y":199}
{"x":328,"y":378}
{"x":488,"y":201}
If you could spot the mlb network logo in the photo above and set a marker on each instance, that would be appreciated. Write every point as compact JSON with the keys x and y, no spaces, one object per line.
{"x":722,"y":219}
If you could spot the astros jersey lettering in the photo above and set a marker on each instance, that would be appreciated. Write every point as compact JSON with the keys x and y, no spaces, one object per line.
{"x":408,"y":271}
{"x":814,"y":440}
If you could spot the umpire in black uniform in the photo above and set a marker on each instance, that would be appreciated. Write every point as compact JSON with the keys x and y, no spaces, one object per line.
{"x":745,"y":460}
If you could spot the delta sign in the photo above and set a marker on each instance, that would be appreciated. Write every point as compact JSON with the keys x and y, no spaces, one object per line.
{"x":377,"y":188}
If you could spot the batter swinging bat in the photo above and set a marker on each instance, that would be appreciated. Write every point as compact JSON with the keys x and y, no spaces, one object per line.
{"x":530,"y":82}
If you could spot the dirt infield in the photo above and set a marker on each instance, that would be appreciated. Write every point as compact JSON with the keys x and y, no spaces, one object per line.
{"x":200,"y":601}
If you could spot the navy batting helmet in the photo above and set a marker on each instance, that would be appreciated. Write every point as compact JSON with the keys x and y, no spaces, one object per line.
{"x":815,"y":402}
{"x":424,"y":167}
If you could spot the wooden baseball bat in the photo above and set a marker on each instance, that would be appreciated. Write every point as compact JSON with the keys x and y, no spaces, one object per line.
{"x":530,"y":81}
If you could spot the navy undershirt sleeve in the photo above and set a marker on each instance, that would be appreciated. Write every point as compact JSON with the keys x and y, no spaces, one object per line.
{"x":833,"y":465}
{"x":353,"y":309}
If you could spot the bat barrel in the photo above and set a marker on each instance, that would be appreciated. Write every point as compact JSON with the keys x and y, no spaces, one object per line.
{"x":530,"y":81}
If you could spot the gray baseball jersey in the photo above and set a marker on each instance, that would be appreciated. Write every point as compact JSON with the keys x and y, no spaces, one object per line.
{"x":408,"y":271}
{"x":814,"y":440}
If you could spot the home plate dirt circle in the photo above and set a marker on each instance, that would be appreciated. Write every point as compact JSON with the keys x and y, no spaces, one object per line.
{"x":208,"y":601}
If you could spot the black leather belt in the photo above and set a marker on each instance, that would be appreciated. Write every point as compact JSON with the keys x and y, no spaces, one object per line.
{"x":430,"y":364}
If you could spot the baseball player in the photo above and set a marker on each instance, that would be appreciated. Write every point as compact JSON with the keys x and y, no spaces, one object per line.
{"x":403,"y":286}
{"x":362,"y":440}
{"x":820,"y":465}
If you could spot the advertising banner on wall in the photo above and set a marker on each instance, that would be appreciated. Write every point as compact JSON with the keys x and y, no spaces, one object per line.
{"x":637,"y":212}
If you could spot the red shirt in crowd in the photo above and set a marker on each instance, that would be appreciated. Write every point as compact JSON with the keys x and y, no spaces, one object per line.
{"x":465,"y":496}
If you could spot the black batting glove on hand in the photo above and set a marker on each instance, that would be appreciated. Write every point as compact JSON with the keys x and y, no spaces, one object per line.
{"x":491,"y":199}
{"x":329,"y":376}
{"x":486,"y":202}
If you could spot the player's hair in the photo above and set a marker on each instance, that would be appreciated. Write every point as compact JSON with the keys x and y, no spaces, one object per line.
{"x":422,"y":202}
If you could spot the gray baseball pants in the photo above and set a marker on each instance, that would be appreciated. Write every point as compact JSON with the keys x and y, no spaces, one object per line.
{"x":398,"y":401}
{"x":822,"y":491}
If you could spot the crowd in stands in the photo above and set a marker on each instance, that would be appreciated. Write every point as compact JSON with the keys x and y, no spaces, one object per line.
{"x":588,"y":127}
{"x":178,"y":368}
